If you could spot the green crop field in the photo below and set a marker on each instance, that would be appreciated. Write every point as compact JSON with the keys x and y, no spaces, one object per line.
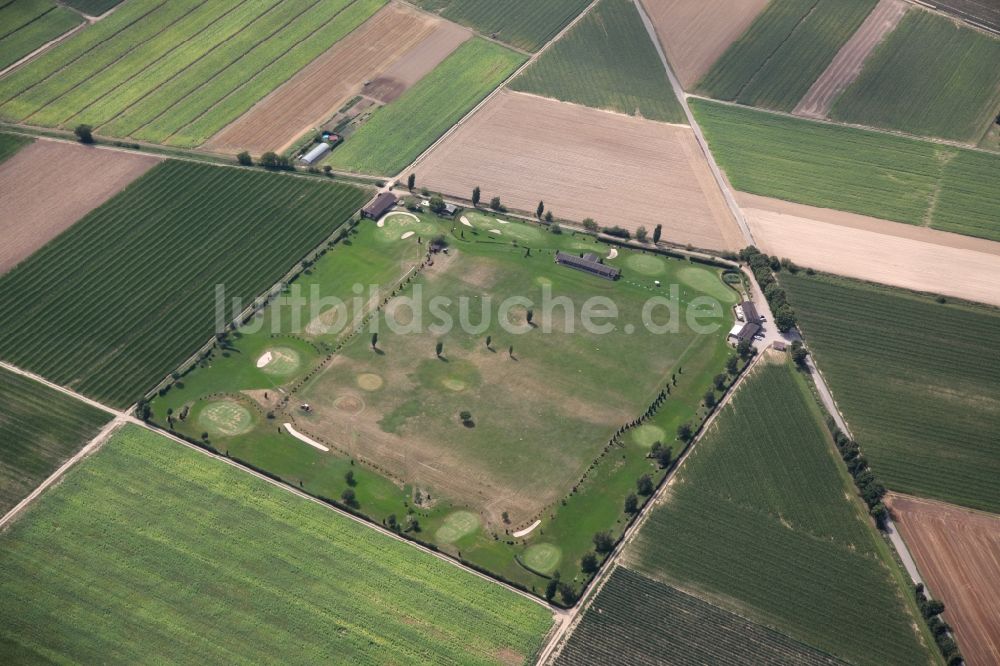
{"x":931,"y":76}
{"x":11,"y":143}
{"x":784,"y":51}
{"x":176,"y":72}
{"x":607,"y":61}
{"x":122,"y":297}
{"x":483,"y":479}
{"x":150,"y":549}
{"x":634,"y":617}
{"x":525,"y":24}
{"x":396,"y":134}
{"x":762,"y":519}
{"x":93,"y":7}
{"x":926,"y":413}
{"x":872,"y":173}
{"x":26,"y":25}
{"x":40,"y":428}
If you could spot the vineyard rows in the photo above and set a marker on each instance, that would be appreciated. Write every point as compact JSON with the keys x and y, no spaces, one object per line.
{"x":637,"y":620}
{"x":608,"y":62}
{"x":785,"y":50}
{"x":526,"y":24}
{"x":176,"y":72}
{"x":917,"y":381}
{"x":40,"y":429}
{"x":150,"y":548}
{"x":128,"y":292}
{"x":762,"y":519}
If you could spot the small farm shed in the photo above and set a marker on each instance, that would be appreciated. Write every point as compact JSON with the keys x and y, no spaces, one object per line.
{"x":741,"y":332}
{"x":588,"y":263}
{"x":380,"y":206}
{"x":318,"y":152}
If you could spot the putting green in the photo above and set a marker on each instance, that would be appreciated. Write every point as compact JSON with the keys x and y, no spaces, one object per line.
{"x":706,"y":282}
{"x":646,"y":264}
{"x":542,"y":557}
{"x":521,"y":232}
{"x":225,"y":417}
{"x":399,"y":223}
{"x":453,"y":384}
{"x":457,"y":525}
{"x":647,"y":435}
{"x":283,"y":361}
{"x":369,"y":382}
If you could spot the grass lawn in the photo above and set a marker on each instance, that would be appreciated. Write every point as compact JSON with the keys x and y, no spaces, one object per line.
{"x":396,"y":134}
{"x":39,"y":429}
{"x":607,"y":61}
{"x":11,"y":143}
{"x":526,"y":24}
{"x":26,"y":25}
{"x":763,"y":520}
{"x":916,"y":381}
{"x":634,"y":616}
{"x":396,"y":411}
{"x":872,"y":173}
{"x":784,"y":51}
{"x":121,"y":298}
{"x":150,"y":549}
{"x":931,"y":76}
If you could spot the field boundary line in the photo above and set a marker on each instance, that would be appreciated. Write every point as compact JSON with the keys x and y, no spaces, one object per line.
{"x":681,"y":96}
{"x":61,"y":389}
{"x":470,"y":28}
{"x":971,"y":22}
{"x":496,"y":91}
{"x":91,"y":447}
{"x":612,"y":562}
{"x":44,"y":47}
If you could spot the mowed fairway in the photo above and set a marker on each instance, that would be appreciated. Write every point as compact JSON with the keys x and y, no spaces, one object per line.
{"x":694,"y":33}
{"x":870,"y":173}
{"x":638,"y":620}
{"x":785,"y":50}
{"x":49,"y":185}
{"x":149,"y":548}
{"x":26,"y":25}
{"x":525,"y":24}
{"x":359,"y":63}
{"x":126,"y":294}
{"x":958,"y":554}
{"x":607,"y":61}
{"x":39,"y":429}
{"x":396,"y":134}
{"x":931,"y":77}
{"x":585,"y":163}
{"x":176,"y":72}
{"x":762,"y":520}
{"x":916,"y":381}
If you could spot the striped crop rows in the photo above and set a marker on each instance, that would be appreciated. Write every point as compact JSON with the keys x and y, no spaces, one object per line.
{"x":26,"y":25}
{"x":526,"y":24}
{"x":127,"y":293}
{"x":176,"y":72}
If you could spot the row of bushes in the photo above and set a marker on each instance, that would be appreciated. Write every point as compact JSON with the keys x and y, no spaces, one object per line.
{"x":931,"y":610}
{"x":872,"y":490}
{"x":764,"y":268}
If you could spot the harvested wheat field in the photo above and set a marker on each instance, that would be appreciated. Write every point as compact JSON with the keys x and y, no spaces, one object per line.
{"x":47,"y":186}
{"x":694,"y":33}
{"x":391,"y":51}
{"x":616,"y":169}
{"x":851,"y":58}
{"x":868,"y":248}
{"x":958,"y":553}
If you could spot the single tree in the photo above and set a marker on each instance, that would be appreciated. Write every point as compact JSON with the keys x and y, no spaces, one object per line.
{"x":411,"y":181}
{"x":412,"y":523}
{"x":476,"y":195}
{"x":552,"y":587}
{"x":603,"y":543}
{"x":510,"y":351}
{"x":799,"y":354}
{"x":327,"y":169}
{"x":374,"y":340}
{"x":530,"y":316}
{"x":784,"y":318}
{"x":588,"y":563}
{"x":489,"y":341}
{"x":349,"y":478}
{"x":641,"y":234}
{"x":540,"y":209}
{"x":244,"y":159}
{"x":644,"y":484}
{"x":657,"y":233}
{"x":391,"y":522}
{"x":719,"y":381}
{"x":437,"y":205}
{"x":84,"y":134}
{"x":505,"y":517}
{"x":438,"y":348}
{"x":350,"y":499}
{"x":732,"y":364}
{"x":709,"y":398}
{"x":568,"y":594}
{"x":631,"y":503}
{"x":549,"y":217}
{"x":589,"y":224}
{"x":495,"y":204}
{"x":744,"y":349}
{"x":684,"y":432}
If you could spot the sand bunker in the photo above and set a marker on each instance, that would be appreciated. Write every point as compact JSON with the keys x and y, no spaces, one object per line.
{"x":613,"y":253}
{"x":465,"y":221}
{"x":407,"y":235}
{"x":496,"y":231}
{"x":264,"y":359}
{"x":527,"y":530}
{"x":303,"y":438}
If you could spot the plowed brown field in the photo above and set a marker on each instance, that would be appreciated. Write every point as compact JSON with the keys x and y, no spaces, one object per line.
{"x":616,"y":169}
{"x":958,"y":553}
{"x":49,"y":185}
{"x":694,"y":33}
{"x":391,"y":51}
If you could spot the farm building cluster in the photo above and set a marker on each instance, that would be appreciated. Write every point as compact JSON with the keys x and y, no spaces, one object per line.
{"x":747,"y":323}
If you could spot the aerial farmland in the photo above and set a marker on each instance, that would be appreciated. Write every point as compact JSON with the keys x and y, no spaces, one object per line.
{"x":471,"y":332}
